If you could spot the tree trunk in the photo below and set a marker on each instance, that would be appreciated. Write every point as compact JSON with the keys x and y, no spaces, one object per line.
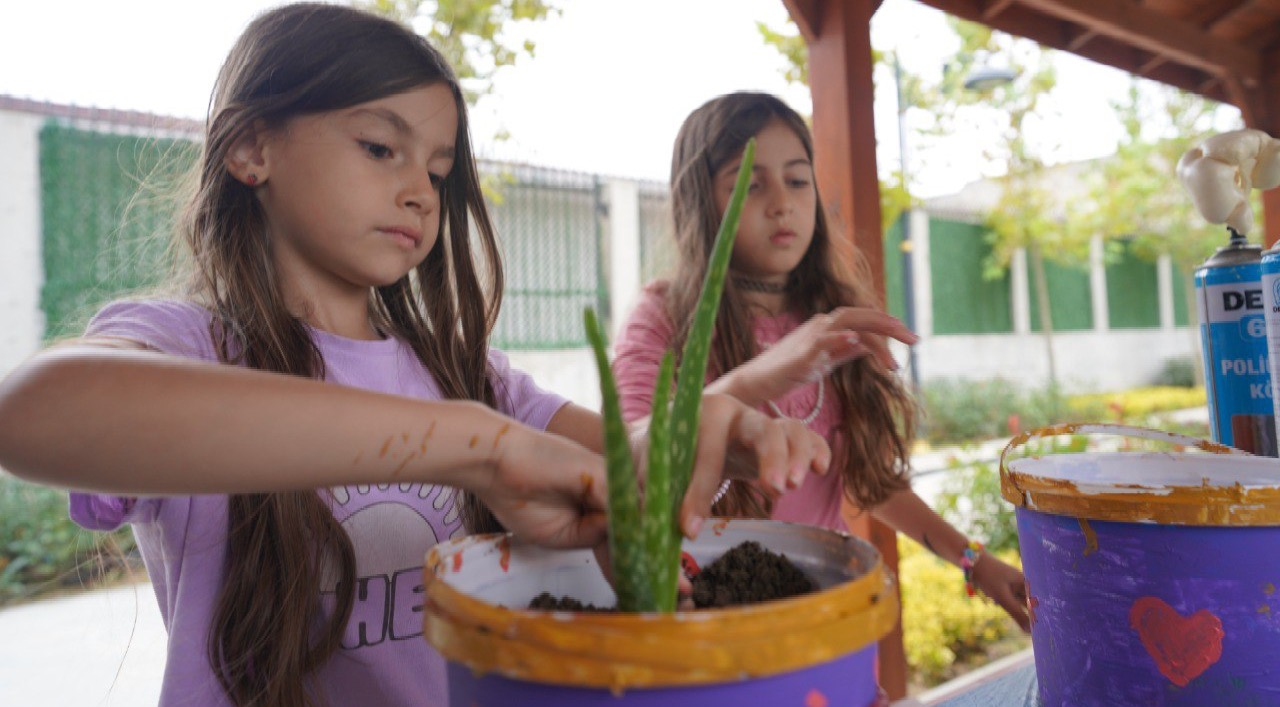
{"x":1046,"y":313}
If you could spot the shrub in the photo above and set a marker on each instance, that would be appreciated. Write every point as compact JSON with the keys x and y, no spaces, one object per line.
{"x":970,"y":500}
{"x":42,"y":550}
{"x":942,"y":626}
{"x":1178,"y":372}
{"x":957,"y":411}
{"x":1138,"y":404}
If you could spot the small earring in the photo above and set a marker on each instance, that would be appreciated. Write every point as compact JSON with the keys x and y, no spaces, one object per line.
{"x":251,"y":180}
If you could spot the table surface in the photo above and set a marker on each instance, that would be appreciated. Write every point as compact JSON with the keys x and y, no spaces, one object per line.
{"x":1017,"y":688}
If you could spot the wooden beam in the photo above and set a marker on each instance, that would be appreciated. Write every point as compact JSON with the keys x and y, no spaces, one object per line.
{"x":1059,"y":34}
{"x":840,"y":67}
{"x":805,"y":14}
{"x":1225,"y":13}
{"x":1264,"y":114}
{"x":1080,"y":40}
{"x":1151,"y":64}
{"x":1181,"y":41}
{"x":995,"y":8}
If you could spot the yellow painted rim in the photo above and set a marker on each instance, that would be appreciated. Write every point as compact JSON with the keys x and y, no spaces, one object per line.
{"x":621,"y":651}
{"x":1209,"y":505}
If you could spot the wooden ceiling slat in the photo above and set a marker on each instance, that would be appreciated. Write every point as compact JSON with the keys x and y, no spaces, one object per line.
{"x":1226,"y":13}
{"x":996,"y":7}
{"x":807,"y":16}
{"x":1080,"y":40}
{"x":1181,"y":41}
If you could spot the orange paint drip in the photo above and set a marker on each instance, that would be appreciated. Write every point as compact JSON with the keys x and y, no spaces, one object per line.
{"x":1268,"y":589}
{"x":1090,"y":537}
{"x":1264,"y":609}
{"x":504,"y":560}
{"x":357,"y":459}
{"x":815,"y":698}
{"x":457,"y":561}
{"x":505,"y":428}
{"x":396,"y":472}
{"x":719,"y":526}
{"x":588,"y":481}
{"x":430,"y":431}
{"x":474,"y":440}
{"x":385,"y":446}
{"x":1032,"y":603}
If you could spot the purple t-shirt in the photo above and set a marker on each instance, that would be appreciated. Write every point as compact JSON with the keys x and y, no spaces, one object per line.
{"x":384,"y":659}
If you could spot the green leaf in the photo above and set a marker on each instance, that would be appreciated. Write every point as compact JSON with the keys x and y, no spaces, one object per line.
{"x":661,"y":536}
{"x":693,"y":361}
{"x":626,"y":546}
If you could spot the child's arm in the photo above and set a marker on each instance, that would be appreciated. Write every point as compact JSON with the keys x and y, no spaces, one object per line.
{"x":733,"y":440}
{"x":907,"y":513}
{"x":134,"y":422}
{"x":813,"y":350}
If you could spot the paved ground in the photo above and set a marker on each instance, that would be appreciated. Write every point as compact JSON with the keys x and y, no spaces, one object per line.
{"x":98,"y":648}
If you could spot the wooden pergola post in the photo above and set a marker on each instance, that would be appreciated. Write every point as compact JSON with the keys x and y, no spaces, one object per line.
{"x":840,"y":65}
{"x":1262,"y":111}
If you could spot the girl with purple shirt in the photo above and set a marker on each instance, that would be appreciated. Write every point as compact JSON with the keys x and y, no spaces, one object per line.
{"x":316,"y":405}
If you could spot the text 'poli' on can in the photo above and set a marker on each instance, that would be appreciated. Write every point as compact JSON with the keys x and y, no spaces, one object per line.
{"x":1233,"y":332}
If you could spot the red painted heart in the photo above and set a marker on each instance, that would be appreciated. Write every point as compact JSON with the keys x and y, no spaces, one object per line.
{"x":1182,"y":646}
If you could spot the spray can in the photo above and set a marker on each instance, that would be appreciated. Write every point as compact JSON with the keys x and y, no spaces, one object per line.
{"x":1233,"y":333}
{"x":1270,"y":269}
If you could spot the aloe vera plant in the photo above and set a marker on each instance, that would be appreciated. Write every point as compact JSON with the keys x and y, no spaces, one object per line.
{"x":644,"y":543}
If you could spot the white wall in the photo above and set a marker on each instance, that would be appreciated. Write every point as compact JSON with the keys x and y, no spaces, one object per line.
{"x":21,"y":266}
{"x":1086,"y":361}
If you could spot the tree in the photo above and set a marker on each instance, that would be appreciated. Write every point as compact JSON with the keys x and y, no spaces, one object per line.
{"x":1136,"y":196}
{"x":894,"y":195}
{"x":468,"y":32}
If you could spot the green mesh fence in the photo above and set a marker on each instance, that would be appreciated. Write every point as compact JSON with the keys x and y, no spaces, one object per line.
{"x":894,"y":294}
{"x":1181,"y":283}
{"x":1133,"y":300}
{"x":103,"y":235}
{"x":964,"y":302}
{"x":549,"y":226}
{"x":1070,"y":298}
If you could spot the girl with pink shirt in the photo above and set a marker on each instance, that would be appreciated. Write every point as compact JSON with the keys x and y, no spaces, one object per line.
{"x":797,"y":335}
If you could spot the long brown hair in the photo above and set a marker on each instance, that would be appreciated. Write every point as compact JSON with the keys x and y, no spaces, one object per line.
{"x":877,"y":413}
{"x":302,"y":59}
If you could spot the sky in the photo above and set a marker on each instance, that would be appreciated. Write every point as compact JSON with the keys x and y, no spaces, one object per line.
{"x":609,"y":85}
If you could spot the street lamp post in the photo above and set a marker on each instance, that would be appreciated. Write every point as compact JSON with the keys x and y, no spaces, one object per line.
{"x":908,"y":272}
{"x":980,"y":79}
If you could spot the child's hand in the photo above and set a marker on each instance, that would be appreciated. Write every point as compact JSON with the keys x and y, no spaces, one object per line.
{"x":1005,"y":585}
{"x":738,"y":441}
{"x":819,"y":346}
{"x":547,"y":489}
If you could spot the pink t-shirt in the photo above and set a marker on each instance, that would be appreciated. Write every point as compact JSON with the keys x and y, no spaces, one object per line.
{"x":384,"y":660}
{"x":648,"y":333}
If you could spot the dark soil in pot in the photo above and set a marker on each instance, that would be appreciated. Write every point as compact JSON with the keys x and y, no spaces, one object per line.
{"x":747,"y":574}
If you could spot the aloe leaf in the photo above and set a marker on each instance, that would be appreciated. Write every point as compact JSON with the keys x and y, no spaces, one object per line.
{"x":660,"y":531}
{"x":693,"y":361}
{"x":626,"y":547}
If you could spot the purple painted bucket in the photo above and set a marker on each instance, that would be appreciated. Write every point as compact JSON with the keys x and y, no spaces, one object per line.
{"x":1151,"y":576}
{"x":817,"y":650}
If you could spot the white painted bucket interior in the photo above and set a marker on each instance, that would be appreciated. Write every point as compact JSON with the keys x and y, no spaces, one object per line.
{"x":1155,"y":471}
{"x":826,"y":557}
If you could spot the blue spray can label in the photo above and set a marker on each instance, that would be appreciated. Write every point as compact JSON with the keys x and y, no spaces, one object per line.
{"x":1233,"y":333}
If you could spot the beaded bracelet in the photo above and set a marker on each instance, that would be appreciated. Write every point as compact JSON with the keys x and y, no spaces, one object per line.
{"x":970,"y":558}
